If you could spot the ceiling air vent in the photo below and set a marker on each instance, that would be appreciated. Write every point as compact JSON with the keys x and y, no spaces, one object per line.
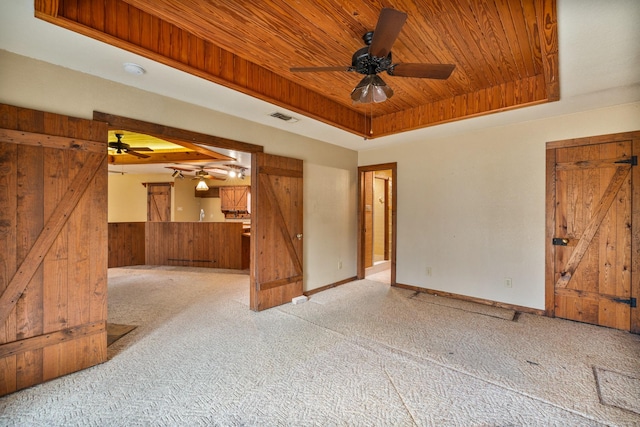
{"x":284,"y":117}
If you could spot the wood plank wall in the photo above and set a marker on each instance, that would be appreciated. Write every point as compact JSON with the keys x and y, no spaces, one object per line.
{"x":126,"y":244}
{"x":188,"y":244}
{"x":194,"y":244}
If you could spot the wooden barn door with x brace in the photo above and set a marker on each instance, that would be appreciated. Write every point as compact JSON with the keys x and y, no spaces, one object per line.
{"x":53,"y":246}
{"x":593,"y":191}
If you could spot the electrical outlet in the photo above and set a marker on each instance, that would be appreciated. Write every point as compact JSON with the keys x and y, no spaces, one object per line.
{"x":508,"y":283}
{"x":429,"y":271}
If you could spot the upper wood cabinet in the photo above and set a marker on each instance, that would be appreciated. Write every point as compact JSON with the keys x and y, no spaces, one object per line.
{"x":234,"y":199}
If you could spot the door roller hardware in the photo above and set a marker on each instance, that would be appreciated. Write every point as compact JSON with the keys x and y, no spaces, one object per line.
{"x":560,"y":241}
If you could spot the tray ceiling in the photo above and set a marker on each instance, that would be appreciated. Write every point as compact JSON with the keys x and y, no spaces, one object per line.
{"x":505,"y":52}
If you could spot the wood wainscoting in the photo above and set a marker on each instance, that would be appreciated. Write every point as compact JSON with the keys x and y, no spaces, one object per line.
{"x":186,"y":244}
{"x":126,"y":244}
{"x":195,"y":244}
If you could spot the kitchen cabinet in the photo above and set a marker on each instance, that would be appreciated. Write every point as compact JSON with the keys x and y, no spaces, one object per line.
{"x":235,"y":199}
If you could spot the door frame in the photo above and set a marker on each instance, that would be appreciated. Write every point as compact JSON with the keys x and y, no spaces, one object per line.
{"x":394,"y":208}
{"x":176,"y":136}
{"x":388,"y":196}
{"x":550,"y":221}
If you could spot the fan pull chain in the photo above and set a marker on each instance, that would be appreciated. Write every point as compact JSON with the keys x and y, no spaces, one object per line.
{"x":365,"y":124}
{"x":370,"y":132}
{"x":371,"y":120}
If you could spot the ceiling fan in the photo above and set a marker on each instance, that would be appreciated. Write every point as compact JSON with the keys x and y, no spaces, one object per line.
{"x":122,"y":147}
{"x":376,"y":57}
{"x":201,"y":173}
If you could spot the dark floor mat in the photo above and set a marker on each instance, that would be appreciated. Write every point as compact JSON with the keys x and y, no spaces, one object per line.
{"x":116,"y":331}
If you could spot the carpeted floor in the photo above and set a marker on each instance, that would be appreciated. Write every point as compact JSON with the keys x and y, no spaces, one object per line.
{"x":362,"y":354}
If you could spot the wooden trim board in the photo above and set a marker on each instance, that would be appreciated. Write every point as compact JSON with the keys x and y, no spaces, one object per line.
{"x":483,"y":301}
{"x":331,"y":285}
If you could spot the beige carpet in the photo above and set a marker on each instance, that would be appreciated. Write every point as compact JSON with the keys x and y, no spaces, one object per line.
{"x":362,"y":354}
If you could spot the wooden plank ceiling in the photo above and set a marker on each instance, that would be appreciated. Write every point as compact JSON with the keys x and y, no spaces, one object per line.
{"x":505,"y":52}
{"x":160,"y":151}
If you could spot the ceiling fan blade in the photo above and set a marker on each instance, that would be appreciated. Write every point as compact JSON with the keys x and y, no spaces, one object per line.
{"x":179,"y":168}
{"x":135,"y":153}
{"x":314,"y":69}
{"x":387,"y":30}
{"x":140,"y":149}
{"x":217,"y":170}
{"x":216,"y":178}
{"x":427,"y":71}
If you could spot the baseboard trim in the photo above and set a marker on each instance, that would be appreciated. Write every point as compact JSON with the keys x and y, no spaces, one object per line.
{"x":332,"y":285}
{"x":518,"y":308}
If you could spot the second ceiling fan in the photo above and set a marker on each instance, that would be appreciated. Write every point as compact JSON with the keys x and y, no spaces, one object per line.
{"x":376,"y":58}
{"x":122,"y":147}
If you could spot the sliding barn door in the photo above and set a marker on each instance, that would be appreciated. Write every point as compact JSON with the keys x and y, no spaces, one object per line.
{"x":53,"y":246}
{"x":276,"y":230}
{"x":591,"y":247}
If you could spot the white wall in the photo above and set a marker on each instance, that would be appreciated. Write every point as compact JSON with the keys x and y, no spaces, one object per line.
{"x":330,"y":230}
{"x":185,"y":206}
{"x":472,"y":206}
{"x":128,"y":197}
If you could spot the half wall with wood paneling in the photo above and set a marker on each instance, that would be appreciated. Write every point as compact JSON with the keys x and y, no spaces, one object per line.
{"x":53,"y":263}
{"x":186,"y":244}
{"x":194,"y":244}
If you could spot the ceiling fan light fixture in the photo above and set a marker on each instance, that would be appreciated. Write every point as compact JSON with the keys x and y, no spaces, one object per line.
{"x":202,"y":186}
{"x":175,"y":173}
{"x":371,"y":89}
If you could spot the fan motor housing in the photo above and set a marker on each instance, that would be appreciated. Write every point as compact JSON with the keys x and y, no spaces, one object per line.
{"x":364,"y":63}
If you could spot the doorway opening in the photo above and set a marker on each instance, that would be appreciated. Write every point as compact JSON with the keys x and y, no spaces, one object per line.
{"x":272,"y":202}
{"x":377,"y":207}
{"x":183,"y":237}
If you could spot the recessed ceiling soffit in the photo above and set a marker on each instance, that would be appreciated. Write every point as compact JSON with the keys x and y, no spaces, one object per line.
{"x":505,"y":53}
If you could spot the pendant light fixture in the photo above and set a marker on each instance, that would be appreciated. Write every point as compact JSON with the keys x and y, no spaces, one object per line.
{"x":202,"y":185}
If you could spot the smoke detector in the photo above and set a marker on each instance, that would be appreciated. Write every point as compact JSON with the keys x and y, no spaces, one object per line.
{"x":134,"y":69}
